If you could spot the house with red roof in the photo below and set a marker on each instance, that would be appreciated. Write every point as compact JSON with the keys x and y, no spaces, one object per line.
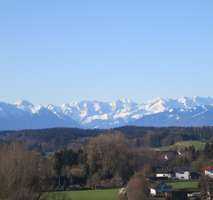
{"x":208,"y":171}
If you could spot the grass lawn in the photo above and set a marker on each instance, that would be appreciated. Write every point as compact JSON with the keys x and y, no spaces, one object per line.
{"x":86,"y":195}
{"x":184,"y":185}
{"x":198,"y":145}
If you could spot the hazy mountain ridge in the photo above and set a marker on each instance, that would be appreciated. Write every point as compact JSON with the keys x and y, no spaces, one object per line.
{"x":185,"y":111}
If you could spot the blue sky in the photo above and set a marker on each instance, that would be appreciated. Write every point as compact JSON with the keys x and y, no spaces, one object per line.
{"x":61,"y":51}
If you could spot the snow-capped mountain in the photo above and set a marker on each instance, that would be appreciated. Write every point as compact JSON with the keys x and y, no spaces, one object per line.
{"x":185,"y":111}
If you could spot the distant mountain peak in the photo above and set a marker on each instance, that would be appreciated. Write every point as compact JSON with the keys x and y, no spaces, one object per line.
{"x":183,"y":111}
{"x":21,"y":102}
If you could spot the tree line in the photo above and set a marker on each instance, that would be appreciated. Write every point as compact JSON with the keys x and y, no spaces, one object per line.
{"x":51,"y":140}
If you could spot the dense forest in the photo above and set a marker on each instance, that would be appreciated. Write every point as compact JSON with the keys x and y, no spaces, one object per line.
{"x":51,"y":140}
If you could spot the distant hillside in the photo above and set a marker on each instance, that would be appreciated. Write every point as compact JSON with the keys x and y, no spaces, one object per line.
{"x":198,"y":145}
{"x":49,"y":140}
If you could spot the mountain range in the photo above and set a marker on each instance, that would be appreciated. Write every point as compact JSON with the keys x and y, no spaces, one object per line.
{"x":161,"y":112}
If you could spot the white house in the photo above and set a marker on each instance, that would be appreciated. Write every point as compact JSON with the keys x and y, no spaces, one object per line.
{"x":122,"y":191}
{"x":153,"y":192}
{"x":159,"y":188}
{"x":209,"y":172}
{"x":163,"y":175}
{"x":183,"y":175}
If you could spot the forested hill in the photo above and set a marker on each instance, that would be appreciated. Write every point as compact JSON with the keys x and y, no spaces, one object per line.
{"x":51,"y":132}
{"x":49,"y":140}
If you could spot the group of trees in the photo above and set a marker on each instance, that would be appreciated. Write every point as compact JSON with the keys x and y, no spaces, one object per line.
{"x":208,"y":151}
{"x":108,"y":156}
{"x":69,"y":167}
{"x":51,"y":140}
{"x":24,"y":174}
{"x":105,"y":161}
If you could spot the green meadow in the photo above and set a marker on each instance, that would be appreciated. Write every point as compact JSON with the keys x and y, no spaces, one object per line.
{"x":85,"y":195}
{"x":178,"y":185}
{"x":198,"y":145}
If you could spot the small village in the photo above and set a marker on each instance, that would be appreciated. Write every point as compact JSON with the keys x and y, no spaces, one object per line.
{"x":185,"y":182}
{"x":180,"y":183}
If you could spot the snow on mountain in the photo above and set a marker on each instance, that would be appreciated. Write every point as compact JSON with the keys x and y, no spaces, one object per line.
{"x":184,"y":111}
{"x":24,"y":105}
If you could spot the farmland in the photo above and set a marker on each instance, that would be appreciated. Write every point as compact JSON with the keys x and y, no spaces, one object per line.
{"x":198,"y":145}
{"x":178,"y":185}
{"x":86,"y":195}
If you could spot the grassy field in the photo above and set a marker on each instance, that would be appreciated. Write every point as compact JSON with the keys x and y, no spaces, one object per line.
{"x":85,"y":195}
{"x":184,"y":185}
{"x":198,"y":145}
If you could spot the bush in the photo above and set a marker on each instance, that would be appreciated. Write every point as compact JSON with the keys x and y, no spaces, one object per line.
{"x":137,"y":188}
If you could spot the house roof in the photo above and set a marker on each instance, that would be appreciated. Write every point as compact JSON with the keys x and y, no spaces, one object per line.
{"x":161,"y":187}
{"x":182,"y":169}
{"x":209,"y":168}
{"x":163,"y":170}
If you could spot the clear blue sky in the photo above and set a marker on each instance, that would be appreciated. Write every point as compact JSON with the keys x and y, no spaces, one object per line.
{"x":60,"y":51}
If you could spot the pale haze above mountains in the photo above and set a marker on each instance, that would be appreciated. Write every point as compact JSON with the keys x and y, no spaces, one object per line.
{"x":185,"y":111}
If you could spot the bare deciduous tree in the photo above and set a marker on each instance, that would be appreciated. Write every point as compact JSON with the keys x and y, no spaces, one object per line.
{"x":109,"y":156}
{"x":137,"y":188}
{"x":24,"y":174}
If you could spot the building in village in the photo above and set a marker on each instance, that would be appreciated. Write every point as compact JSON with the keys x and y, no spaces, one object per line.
{"x":208,"y":171}
{"x":160,"y":189}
